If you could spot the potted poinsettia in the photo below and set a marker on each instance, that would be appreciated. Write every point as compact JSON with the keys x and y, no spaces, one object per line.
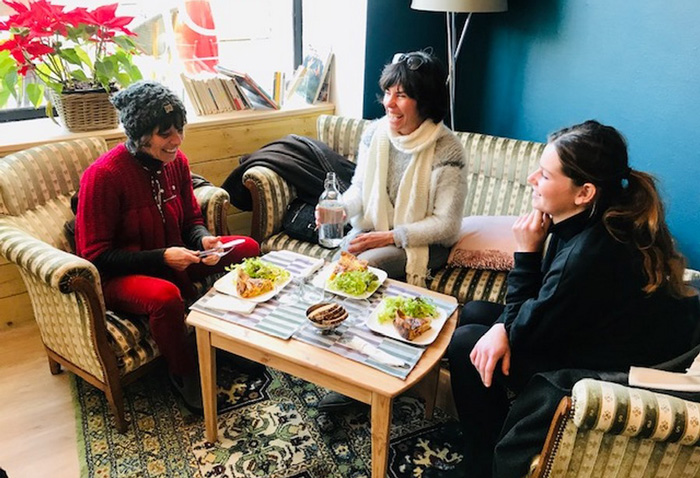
{"x":77,"y":56}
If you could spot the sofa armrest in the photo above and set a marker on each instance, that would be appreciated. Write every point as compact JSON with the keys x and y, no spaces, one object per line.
{"x":619,"y":410}
{"x":271,"y":195}
{"x":214,"y":202}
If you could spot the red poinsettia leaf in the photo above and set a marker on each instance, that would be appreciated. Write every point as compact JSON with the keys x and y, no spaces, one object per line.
{"x":105,"y":13}
{"x":80,"y":15}
{"x":16,"y":6}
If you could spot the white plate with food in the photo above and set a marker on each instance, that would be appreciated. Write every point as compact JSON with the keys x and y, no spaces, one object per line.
{"x":350,"y":277}
{"x":414,"y":320}
{"x":254,"y":280}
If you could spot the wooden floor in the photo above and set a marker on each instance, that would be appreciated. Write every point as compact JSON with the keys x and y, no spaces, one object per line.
{"x":37,"y":421}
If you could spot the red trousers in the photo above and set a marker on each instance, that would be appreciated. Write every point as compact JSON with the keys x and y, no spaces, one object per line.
{"x":162,"y":301}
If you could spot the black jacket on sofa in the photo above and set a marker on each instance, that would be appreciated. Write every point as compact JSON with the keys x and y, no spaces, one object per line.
{"x":301,"y":161}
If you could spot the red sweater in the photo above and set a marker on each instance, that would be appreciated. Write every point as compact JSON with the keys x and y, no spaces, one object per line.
{"x":117,"y":209}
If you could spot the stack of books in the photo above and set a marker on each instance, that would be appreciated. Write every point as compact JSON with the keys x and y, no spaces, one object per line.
{"x":214,"y":94}
{"x":257,"y":96}
{"x":227,"y":91}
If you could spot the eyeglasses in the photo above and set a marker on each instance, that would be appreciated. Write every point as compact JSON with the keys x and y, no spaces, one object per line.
{"x":413,"y":60}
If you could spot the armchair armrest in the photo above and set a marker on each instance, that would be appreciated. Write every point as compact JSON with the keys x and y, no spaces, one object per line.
{"x":213,"y":201}
{"x":66,"y":298}
{"x":271,"y":195}
{"x":619,"y":410}
{"x":55,"y":268}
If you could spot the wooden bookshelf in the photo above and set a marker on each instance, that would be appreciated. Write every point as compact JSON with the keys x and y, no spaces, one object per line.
{"x":214,"y":145}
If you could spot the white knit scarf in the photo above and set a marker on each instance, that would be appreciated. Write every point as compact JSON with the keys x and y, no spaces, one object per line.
{"x":414,"y":199}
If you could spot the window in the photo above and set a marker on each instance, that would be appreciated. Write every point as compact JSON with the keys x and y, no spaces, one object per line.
{"x":257,"y":37}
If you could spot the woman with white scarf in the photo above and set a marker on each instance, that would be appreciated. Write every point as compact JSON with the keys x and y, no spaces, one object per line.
{"x":407,"y":194}
{"x":406,"y":198}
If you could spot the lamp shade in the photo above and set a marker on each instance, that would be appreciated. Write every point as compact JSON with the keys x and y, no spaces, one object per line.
{"x":460,"y":5}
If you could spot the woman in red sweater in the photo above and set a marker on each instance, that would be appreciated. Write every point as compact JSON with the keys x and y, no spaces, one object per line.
{"x":139,"y":223}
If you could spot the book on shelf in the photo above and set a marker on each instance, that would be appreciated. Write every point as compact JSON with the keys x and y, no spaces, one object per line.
{"x":278,"y":88}
{"x":211,"y":94}
{"x":688,"y":381}
{"x":294,"y":83}
{"x":255,"y":93}
{"x":324,"y":90}
{"x":312,"y":77}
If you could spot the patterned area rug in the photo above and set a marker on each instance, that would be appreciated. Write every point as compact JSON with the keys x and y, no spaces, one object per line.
{"x":269,"y":426}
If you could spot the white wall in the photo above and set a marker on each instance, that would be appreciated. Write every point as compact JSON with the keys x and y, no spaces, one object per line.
{"x":340,"y":26}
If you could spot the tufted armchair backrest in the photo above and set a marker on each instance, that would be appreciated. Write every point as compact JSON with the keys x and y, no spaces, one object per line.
{"x":498,"y":167}
{"x":36,"y":185}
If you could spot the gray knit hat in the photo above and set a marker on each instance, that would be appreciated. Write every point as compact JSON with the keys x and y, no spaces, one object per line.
{"x":144,"y":105}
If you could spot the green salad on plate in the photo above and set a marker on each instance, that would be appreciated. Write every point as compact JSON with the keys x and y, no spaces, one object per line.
{"x":354,"y":282}
{"x":259,"y":269}
{"x":419,"y":307}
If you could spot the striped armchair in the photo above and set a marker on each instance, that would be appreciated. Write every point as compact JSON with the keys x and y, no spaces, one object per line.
{"x":498,"y":170}
{"x":605,"y":430}
{"x":105,"y":349}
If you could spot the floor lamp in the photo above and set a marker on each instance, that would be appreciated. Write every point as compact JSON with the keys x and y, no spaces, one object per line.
{"x":451,"y":8}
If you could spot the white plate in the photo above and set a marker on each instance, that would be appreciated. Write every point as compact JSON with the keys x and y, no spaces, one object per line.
{"x":321,"y":280}
{"x":227,"y":285}
{"x":388,"y":329}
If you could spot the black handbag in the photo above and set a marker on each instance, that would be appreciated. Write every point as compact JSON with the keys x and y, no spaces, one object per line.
{"x":299,"y":221}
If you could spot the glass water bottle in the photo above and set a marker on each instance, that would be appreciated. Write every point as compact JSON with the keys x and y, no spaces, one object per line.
{"x":331,"y":212}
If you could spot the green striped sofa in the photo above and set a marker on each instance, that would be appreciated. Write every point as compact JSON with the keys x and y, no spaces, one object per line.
{"x":498,"y":170}
{"x":106,"y":349}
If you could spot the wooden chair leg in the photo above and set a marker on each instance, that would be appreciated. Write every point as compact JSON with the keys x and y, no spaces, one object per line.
{"x":115,"y":397}
{"x":54,"y":366}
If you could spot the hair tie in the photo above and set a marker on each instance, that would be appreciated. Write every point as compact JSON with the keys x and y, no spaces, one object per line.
{"x":625,"y":181}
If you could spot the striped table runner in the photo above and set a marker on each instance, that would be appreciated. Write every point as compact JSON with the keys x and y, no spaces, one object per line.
{"x":286,"y":320}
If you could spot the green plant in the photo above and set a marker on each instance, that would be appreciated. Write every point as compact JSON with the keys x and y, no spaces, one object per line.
{"x":76,"y":50}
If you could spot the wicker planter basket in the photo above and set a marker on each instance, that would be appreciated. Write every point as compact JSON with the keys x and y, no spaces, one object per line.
{"x":85,"y":111}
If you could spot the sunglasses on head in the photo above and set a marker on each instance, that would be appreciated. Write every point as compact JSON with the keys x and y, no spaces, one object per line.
{"x":413,"y":60}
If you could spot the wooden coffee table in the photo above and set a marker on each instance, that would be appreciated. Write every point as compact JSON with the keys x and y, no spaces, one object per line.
{"x":321,"y":367}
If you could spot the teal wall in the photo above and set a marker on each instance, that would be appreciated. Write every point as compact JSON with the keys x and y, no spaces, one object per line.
{"x":393,"y":27}
{"x":546,"y":64}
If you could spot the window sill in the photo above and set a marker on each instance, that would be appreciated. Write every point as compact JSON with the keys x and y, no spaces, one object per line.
{"x":19,"y":135}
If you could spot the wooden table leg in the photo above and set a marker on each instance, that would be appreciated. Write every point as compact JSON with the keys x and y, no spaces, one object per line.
{"x":381,"y":425}
{"x":207,"y":372}
{"x":431,"y":382}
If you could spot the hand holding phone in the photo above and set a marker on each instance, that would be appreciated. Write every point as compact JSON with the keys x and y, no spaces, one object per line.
{"x":221,"y":250}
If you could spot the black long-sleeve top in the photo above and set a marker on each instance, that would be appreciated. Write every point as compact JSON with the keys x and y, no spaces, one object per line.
{"x":582,"y":305}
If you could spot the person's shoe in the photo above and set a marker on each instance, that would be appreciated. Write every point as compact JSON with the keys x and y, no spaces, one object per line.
{"x":334,"y":401}
{"x":190,"y":390}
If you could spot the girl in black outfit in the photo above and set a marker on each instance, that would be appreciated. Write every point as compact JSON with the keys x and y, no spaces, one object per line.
{"x":607,"y":294}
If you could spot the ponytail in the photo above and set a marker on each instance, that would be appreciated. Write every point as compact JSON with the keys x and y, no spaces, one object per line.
{"x":637,"y":218}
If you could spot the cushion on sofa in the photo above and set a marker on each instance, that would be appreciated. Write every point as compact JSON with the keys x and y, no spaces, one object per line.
{"x":486,"y":242}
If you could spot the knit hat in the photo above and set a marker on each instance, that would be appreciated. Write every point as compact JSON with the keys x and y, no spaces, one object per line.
{"x":144,"y":105}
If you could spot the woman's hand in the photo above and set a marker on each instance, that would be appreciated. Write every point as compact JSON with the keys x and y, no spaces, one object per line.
{"x":530,"y":231}
{"x":211,"y":242}
{"x":180,"y":258}
{"x":370,"y":240}
{"x":491,"y":348}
